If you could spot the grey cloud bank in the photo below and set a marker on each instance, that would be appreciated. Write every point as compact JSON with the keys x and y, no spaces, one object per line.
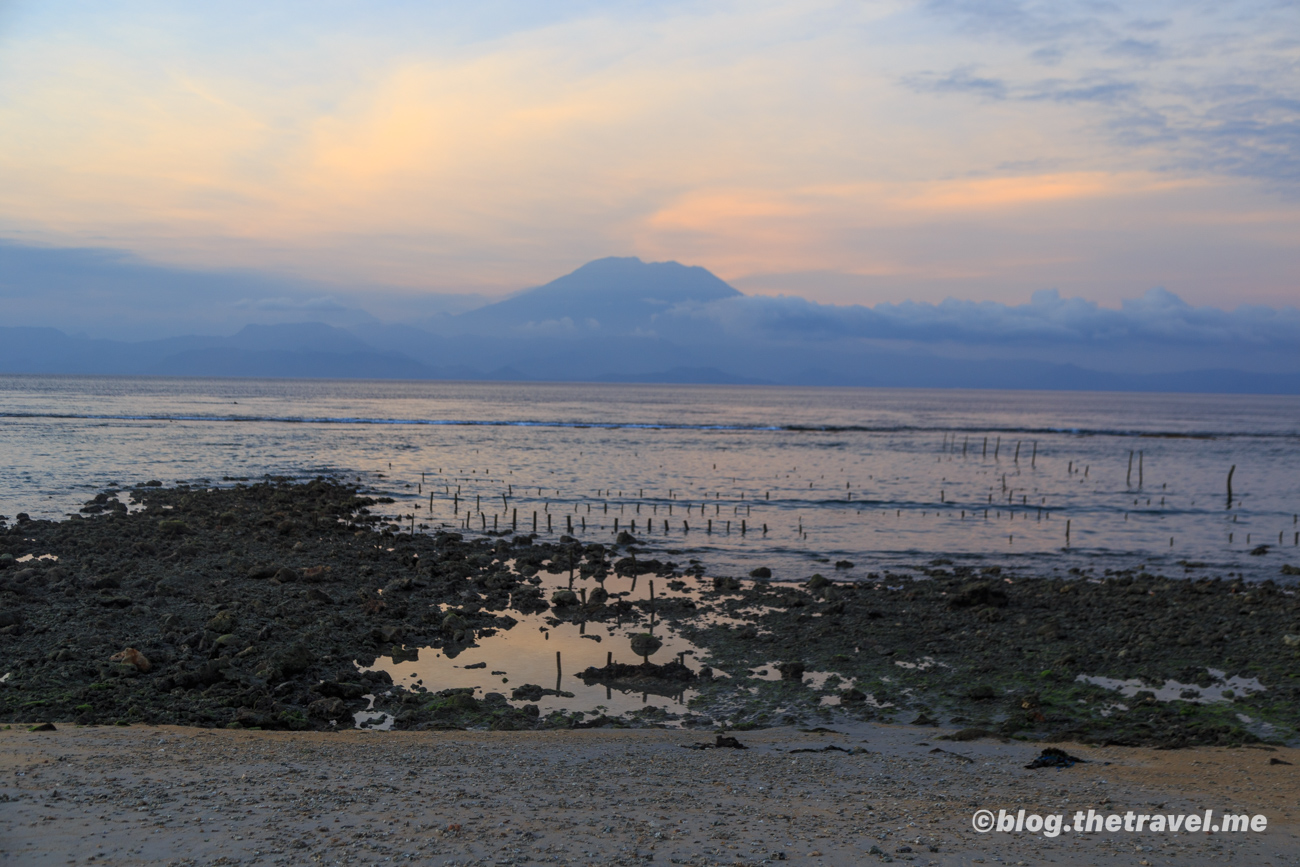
{"x":1217,"y":88}
{"x":618,"y":319}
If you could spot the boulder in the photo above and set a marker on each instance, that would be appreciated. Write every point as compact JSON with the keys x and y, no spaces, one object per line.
{"x":327,"y":708}
{"x":644,"y":644}
{"x":791,"y":671}
{"x":131,"y":656}
{"x":223,"y":622}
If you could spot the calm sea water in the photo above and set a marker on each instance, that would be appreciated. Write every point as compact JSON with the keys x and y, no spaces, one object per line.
{"x":885,"y":479}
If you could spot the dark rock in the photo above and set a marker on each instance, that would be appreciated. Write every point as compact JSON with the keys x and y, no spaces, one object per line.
{"x":296,"y":660}
{"x":645,"y":644}
{"x":168,"y":587}
{"x":533,"y":692}
{"x":1053,"y":757}
{"x":720,"y":742}
{"x":317,"y":595}
{"x":328,"y":708}
{"x":971,"y":734}
{"x":223,"y":622}
{"x":564,"y":598}
{"x":761,"y":572}
{"x":791,"y":671}
{"x":388,"y":634}
{"x":666,"y":679}
{"x":979,"y":593}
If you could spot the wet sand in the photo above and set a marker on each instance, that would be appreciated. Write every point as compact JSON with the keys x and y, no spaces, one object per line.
{"x":187,"y":796}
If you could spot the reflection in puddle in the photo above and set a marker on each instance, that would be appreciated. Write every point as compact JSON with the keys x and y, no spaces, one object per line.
{"x":27,"y":558}
{"x":1222,"y":690}
{"x":372,"y":719}
{"x":543,"y":654}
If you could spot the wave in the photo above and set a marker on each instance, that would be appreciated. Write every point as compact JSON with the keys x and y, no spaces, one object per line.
{"x":656,"y":425}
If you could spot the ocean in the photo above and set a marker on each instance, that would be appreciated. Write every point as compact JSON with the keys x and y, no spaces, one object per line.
{"x":797,"y":480}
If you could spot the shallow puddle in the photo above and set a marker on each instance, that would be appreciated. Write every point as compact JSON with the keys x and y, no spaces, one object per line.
{"x":548,"y":651}
{"x":1222,"y":690}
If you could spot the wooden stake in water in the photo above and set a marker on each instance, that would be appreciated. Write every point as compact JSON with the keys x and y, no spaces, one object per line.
{"x":1139,"y":471}
{"x":1034,"y":456}
{"x":1067,"y":532}
{"x":1232,"y":470}
{"x":1128,"y":479}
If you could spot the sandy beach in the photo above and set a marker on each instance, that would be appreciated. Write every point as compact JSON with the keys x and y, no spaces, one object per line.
{"x":136,"y":795}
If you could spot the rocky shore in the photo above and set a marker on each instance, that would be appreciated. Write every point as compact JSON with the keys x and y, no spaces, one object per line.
{"x":261,"y":605}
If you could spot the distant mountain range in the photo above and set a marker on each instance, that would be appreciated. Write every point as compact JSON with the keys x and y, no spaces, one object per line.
{"x":624,"y":320}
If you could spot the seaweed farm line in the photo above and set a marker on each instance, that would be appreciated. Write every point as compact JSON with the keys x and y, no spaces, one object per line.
{"x":737,"y":478}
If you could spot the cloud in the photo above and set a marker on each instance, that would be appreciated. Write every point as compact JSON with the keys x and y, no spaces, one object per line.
{"x":108,"y":292}
{"x":1048,"y":320}
{"x":1217,"y":93}
{"x":958,"y":81}
{"x":483,"y":147}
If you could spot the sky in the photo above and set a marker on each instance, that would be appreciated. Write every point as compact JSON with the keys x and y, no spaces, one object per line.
{"x":844,"y":152}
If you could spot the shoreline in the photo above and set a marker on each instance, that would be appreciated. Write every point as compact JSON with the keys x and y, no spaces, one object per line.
{"x":184,"y":796}
{"x":253,"y":607}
